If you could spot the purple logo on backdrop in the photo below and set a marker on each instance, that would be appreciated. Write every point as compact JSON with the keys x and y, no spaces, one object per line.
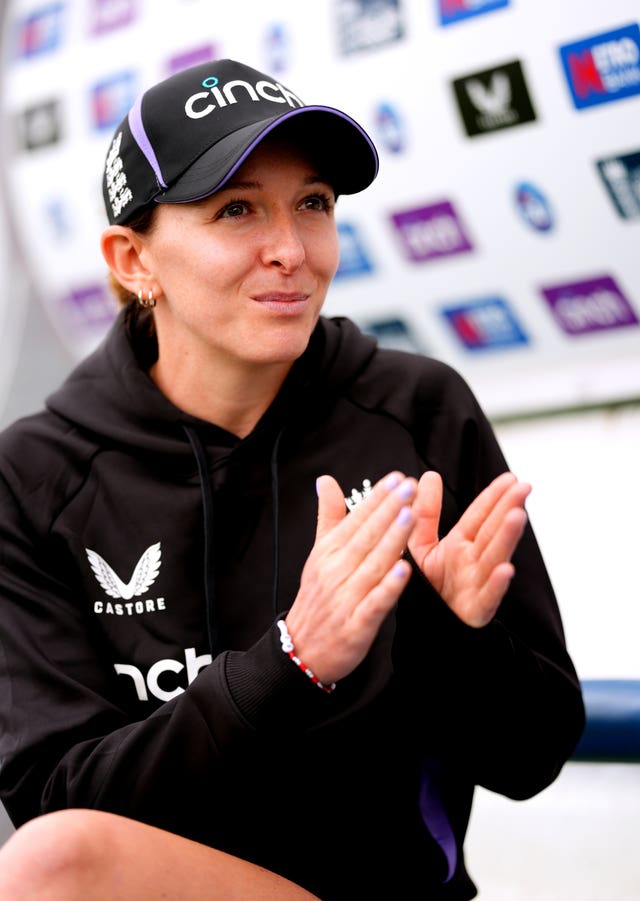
{"x":484,"y":324}
{"x":194,"y":57}
{"x":90,"y":307}
{"x":455,"y":10}
{"x":430,"y":232}
{"x":40,"y":32}
{"x":107,"y":15}
{"x":112,"y":99}
{"x":594,"y":305}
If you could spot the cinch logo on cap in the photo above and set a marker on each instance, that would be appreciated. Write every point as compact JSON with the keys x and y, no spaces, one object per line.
{"x":201,"y":103}
{"x":604,"y":67}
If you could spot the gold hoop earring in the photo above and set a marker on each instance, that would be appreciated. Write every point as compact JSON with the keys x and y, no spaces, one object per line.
{"x":147,"y":302}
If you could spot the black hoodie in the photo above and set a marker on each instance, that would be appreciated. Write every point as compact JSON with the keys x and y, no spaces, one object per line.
{"x":145,"y":556}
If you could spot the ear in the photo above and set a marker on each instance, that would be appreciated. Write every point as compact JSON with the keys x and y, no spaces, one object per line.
{"x":122,"y":249}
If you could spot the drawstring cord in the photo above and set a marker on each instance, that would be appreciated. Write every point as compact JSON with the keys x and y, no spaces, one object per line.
{"x":207,"y":505}
{"x":275,"y":498}
{"x":213,"y":632}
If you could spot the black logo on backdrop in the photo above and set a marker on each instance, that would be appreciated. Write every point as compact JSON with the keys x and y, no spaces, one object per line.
{"x":621,"y":176}
{"x":39,"y":126}
{"x":494,"y":99}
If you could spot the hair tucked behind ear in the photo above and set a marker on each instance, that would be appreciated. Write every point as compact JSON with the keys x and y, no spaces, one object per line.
{"x":142,"y":224}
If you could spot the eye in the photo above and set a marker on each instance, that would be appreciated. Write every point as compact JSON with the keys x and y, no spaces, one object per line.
{"x":233,"y":209}
{"x":321,"y":202}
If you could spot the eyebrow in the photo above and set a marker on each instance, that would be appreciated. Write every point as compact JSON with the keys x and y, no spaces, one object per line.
{"x":256,"y":185}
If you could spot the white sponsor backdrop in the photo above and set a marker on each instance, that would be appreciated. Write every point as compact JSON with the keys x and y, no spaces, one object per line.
{"x":67,"y":66}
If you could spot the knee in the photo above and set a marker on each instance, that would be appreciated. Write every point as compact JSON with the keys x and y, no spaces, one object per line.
{"x":57,"y":855}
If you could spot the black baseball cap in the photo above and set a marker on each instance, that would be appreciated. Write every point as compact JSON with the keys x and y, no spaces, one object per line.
{"x":186,"y":136}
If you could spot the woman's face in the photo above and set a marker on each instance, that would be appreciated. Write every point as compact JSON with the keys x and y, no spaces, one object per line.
{"x":241,"y":276}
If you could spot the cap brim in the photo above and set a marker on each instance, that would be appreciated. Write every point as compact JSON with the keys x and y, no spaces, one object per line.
{"x":343,"y":149}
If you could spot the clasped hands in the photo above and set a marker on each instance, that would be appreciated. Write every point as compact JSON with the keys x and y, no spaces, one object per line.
{"x":355,"y":572}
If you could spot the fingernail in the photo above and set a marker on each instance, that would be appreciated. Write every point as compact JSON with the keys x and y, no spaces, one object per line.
{"x":391,"y":481}
{"x":399,"y":570}
{"x":404,"y":516}
{"x":318,"y":487}
{"x":407,"y":489}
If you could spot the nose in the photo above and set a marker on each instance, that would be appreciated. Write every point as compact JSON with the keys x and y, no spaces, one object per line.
{"x":283,"y":247}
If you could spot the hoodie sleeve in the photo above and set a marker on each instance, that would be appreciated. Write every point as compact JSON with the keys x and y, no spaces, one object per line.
{"x":503,"y":702}
{"x":65,"y":741}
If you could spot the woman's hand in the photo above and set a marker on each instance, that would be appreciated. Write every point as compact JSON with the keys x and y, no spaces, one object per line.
{"x":353,"y":576}
{"x":470,"y":567}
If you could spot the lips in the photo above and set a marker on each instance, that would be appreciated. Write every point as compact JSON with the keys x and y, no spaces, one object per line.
{"x":283,"y":302}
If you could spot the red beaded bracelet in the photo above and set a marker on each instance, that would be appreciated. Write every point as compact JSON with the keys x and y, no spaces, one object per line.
{"x":287,"y":647}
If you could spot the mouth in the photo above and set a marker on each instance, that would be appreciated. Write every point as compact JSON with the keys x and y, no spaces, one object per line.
{"x":283,"y":303}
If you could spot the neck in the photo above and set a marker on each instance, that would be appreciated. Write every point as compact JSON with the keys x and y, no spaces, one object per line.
{"x":234,"y":399}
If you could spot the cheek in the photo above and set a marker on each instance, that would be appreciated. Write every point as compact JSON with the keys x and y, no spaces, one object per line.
{"x":327,"y":255}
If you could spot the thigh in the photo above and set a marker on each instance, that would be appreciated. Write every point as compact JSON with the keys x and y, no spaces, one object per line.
{"x":92,"y":855}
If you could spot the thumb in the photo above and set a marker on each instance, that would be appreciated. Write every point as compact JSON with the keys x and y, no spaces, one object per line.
{"x":331,"y":505}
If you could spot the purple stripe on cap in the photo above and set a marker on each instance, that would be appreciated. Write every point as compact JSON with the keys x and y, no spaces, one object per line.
{"x":141,"y":139}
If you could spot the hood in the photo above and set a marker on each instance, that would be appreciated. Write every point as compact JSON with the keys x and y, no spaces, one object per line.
{"x":111,"y":395}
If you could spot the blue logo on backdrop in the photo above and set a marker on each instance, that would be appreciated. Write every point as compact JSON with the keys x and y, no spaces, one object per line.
{"x":534,"y":207}
{"x":112,"y":99}
{"x":40,"y":31}
{"x":277,"y":48}
{"x":485,"y":324}
{"x":390,"y":127}
{"x":604,"y":67}
{"x":455,"y":10}
{"x":353,"y":256}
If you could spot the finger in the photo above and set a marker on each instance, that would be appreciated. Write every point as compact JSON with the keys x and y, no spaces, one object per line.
{"x":489,"y":599}
{"x":331,"y":506}
{"x":347,"y":527}
{"x":382,"y":556}
{"x":488,"y":502}
{"x":504,"y":520}
{"x":427,"y":508}
{"x":503,"y":542}
{"x":380,"y":600}
{"x":377,"y":523}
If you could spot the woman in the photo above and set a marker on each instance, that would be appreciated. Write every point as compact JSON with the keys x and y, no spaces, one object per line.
{"x":225,"y":685}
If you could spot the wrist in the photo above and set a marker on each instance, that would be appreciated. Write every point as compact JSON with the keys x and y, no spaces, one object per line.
{"x":286,"y":642}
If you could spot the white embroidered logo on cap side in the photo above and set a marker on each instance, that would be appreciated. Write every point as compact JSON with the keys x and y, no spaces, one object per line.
{"x":144,"y":575}
{"x":117,"y":186}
